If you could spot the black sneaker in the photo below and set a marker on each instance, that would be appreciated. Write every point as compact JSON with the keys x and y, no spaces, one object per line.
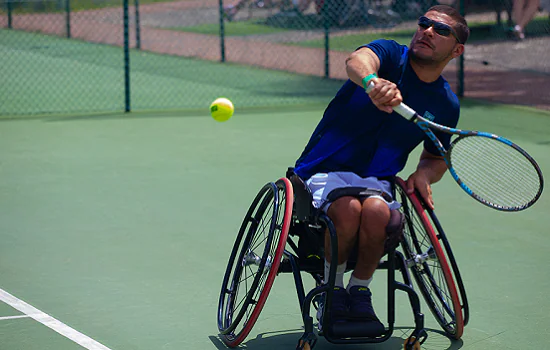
{"x":339,"y":308}
{"x":360,"y":304}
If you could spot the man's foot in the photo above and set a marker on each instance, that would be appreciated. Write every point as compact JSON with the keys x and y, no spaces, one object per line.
{"x":360,"y":304}
{"x":339,"y":308}
{"x":518,"y":32}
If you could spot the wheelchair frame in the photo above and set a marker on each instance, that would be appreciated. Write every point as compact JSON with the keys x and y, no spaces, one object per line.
{"x":284,"y":209}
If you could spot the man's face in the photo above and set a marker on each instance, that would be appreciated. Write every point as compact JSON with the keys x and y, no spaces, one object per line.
{"x":428,"y":46}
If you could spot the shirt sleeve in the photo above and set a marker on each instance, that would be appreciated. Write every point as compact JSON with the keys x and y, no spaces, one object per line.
{"x":450,"y":119}
{"x":389,"y":53}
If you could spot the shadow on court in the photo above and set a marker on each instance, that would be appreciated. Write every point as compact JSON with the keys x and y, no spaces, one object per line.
{"x":288,"y":339}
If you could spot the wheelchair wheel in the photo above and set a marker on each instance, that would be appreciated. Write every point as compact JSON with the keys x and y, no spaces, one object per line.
{"x":254,"y":261}
{"x":429,"y":263}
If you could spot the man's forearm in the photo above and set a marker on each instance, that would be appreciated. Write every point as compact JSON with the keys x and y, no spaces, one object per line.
{"x":360,"y":64}
{"x":432,"y":168}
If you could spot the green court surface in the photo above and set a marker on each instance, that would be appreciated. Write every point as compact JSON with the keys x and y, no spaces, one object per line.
{"x":120,"y":227}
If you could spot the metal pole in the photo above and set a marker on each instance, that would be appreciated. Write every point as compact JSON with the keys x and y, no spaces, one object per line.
{"x":460,"y":71}
{"x":222,"y":32}
{"x":326,"y":25}
{"x":68,"y":17}
{"x":126,"y":58}
{"x":138,"y":27}
{"x":10,"y":20}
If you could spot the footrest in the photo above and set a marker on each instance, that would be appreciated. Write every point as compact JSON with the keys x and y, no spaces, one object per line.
{"x":356,"y":329}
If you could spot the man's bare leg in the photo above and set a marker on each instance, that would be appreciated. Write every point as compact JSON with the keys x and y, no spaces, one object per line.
{"x":375,"y":217}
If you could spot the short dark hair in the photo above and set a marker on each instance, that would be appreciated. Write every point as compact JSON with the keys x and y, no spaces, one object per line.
{"x":461,"y":26}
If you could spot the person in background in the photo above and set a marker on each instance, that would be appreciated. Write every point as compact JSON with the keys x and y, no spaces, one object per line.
{"x":523,"y":11}
{"x":300,"y":6}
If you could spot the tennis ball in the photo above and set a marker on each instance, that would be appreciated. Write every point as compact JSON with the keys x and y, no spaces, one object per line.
{"x":221,"y":109}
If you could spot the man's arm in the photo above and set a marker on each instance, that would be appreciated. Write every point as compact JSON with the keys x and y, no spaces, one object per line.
{"x":430,"y":170}
{"x":361,"y":64}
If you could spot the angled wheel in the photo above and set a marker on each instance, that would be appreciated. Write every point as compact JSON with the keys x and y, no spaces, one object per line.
{"x":254,"y":261}
{"x":434,"y":268}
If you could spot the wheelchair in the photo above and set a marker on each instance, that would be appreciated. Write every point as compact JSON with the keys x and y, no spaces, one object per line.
{"x":283,"y":232}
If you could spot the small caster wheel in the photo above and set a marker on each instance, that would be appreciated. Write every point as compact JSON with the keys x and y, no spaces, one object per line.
{"x":412,"y":344}
{"x":307,"y":342}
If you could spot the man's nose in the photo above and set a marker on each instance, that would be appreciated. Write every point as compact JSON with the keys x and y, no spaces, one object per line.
{"x":429,"y":31}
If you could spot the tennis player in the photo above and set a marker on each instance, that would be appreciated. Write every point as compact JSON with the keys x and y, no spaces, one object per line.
{"x":361,"y":142}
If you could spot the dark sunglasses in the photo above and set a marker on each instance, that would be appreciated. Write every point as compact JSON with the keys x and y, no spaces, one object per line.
{"x":440,"y":28}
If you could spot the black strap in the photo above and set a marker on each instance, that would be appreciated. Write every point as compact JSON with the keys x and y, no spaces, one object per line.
{"x":357,"y":192}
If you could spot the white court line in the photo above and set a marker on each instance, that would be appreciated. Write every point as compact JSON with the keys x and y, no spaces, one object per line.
{"x":51,"y":322}
{"x":12,"y":317}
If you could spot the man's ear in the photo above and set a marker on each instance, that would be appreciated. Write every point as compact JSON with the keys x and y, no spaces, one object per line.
{"x":458,"y":50}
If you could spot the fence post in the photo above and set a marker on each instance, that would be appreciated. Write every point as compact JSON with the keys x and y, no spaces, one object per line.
{"x":460,"y":70}
{"x":10,"y":22}
{"x":222,"y":32}
{"x":68,"y":17}
{"x":126,"y":58}
{"x":326,"y":24}
{"x":138,"y":28}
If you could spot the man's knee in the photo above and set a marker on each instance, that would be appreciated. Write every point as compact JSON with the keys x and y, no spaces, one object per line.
{"x":394,"y":230}
{"x":375,"y":211}
{"x":374,"y":219}
{"x":345,"y":213}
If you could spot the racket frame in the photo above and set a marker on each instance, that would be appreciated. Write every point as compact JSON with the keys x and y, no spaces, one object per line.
{"x":427,"y":126}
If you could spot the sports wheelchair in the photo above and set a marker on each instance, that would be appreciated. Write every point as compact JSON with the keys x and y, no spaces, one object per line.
{"x":283,"y":232}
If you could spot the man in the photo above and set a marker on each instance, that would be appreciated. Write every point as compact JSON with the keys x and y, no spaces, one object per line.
{"x":361,"y":142}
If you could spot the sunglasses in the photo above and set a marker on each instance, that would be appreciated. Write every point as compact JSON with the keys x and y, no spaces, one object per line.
{"x":440,"y":28}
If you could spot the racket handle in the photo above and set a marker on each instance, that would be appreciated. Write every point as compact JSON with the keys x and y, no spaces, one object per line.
{"x":402,"y":109}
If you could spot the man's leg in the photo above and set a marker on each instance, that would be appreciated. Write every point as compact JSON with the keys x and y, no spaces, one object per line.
{"x":375,"y":217}
{"x":530,"y":10}
{"x":345,"y":214}
{"x":517,"y":10}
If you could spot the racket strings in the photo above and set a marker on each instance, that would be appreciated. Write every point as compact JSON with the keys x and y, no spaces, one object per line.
{"x":495,"y":171}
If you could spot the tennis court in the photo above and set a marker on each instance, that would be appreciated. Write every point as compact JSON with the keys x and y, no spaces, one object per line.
{"x":120,"y":226}
{"x":116,"y":228}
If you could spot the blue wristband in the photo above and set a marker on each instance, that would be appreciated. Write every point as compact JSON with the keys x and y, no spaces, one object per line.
{"x":367,"y":79}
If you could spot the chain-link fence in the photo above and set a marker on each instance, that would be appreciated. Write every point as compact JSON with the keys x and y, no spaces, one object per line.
{"x":65,"y":56}
{"x":500,"y":64}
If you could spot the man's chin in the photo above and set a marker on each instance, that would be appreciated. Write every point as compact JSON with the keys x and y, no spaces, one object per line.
{"x":420,"y":58}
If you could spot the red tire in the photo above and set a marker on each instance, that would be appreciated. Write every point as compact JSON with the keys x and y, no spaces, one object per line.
{"x":254,"y":261}
{"x":429,"y":264}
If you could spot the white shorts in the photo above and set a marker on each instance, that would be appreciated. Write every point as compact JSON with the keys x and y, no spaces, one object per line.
{"x":322,"y":184}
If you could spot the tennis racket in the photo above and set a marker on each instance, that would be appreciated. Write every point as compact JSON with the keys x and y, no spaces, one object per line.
{"x":493,"y":170}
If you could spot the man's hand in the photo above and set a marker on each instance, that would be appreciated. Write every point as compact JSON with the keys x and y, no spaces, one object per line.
{"x":430,"y":169}
{"x":385,"y":94}
{"x":420,"y":181}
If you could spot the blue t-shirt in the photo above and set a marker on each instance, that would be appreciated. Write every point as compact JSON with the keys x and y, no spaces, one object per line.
{"x":355,"y":136}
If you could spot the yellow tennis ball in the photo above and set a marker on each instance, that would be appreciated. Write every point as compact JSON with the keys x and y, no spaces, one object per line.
{"x":221,"y":109}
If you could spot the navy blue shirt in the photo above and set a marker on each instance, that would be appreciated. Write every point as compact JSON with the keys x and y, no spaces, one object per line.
{"x":355,"y":136}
